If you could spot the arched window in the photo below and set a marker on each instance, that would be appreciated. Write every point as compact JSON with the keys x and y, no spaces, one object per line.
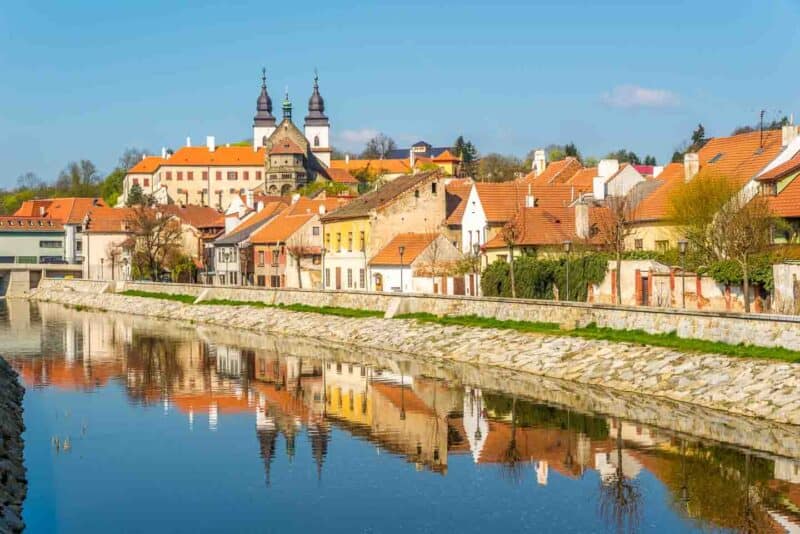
{"x":316,"y":140}
{"x":264,"y":141}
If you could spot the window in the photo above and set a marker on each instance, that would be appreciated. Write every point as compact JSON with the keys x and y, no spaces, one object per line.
{"x":362,"y":278}
{"x":49,"y":244}
{"x":275,"y":256}
{"x":179,"y":176}
{"x":219,"y":175}
{"x":638,"y":244}
{"x":363,"y":241}
{"x":135,"y":181}
{"x":258,"y":175}
{"x":245,"y":175}
{"x":146,"y":182}
{"x":168,"y":175}
{"x":260,"y":258}
{"x":662,"y":245}
{"x":205,"y":175}
{"x":79,"y":245}
{"x":316,"y":140}
{"x":315,"y":230}
{"x":190,"y":175}
{"x":469,"y":233}
{"x":433,"y":187}
{"x":502,"y":257}
{"x":349,"y":241}
{"x":327,"y":278}
{"x":275,"y":281}
{"x":338,"y":241}
{"x":327,"y":240}
{"x":349,"y":278}
{"x":261,"y":281}
{"x":233,"y":175}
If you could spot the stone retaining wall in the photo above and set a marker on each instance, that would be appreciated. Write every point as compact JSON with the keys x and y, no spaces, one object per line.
{"x":13,"y":485}
{"x":754,"y":329}
{"x":753,"y":388}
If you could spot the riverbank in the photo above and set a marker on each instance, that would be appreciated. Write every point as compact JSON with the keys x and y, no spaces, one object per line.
{"x":753,"y":388}
{"x":13,"y":485}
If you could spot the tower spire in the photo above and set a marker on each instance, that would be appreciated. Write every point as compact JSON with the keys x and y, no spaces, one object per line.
{"x":264,"y":115}
{"x":316,"y":106}
{"x":287,"y":106}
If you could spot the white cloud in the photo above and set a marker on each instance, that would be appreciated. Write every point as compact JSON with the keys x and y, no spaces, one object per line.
{"x":353,"y":139}
{"x":634,"y":96}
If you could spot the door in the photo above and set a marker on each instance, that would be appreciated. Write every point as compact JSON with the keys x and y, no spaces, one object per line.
{"x":379,"y":282}
{"x":338,"y":278}
{"x":443,"y":285}
{"x":645,"y":291}
{"x":458,"y":285}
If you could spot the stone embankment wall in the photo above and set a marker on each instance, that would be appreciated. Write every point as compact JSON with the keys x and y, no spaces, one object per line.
{"x":13,"y":485}
{"x":759,"y":388}
{"x":754,"y":329}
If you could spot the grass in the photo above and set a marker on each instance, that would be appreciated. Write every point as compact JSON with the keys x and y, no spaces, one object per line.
{"x":592,"y":331}
{"x":323,"y":310}
{"x":186,"y":299}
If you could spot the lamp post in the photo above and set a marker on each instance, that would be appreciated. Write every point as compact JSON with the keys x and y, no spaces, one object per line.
{"x":567,"y":250}
{"x":476,"y":250}
{"x":682,"y":249}
{"x":401,"y":249}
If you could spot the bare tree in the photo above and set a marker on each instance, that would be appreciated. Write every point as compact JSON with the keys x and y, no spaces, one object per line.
{"x":620,"y":496}
{"x":743,"y":229}
{"x":511,"y":234}
{"x":433,"y":256}
{"x":297,"y":247}
{"x":155,"y":236}
{"x":113,"y":253}
{"x":614,"y":228}
{"x":378,"y":147}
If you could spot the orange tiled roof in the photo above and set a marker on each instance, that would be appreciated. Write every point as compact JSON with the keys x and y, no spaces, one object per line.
{"x":501,"y":201}
{"x":555,"y":172}
{"x":656,"y":205}
{"x":148,"y":165}
{"x":341,"y":176}
{"x":782,"y":170}
{"x":221,"y":156}
{"x":787,"y":202}
{"x":68,"y":210}
{"x":457,"y":194}
{"x":583,"y":180}
{"x":201,"y":402}
{"x":270,"y":209}
{"x":380,"y":166}
{"x":415,"y":244}
{"x":29,"y":224}
{"x":446,"y":157}
{"x":281,"y":228}
{"x":312,"y":205}
{"x":540,"y":226}
{"x":408,"y":399}
{"x":108,"y":220}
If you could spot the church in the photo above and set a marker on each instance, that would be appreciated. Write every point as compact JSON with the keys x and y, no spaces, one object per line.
{"x":280,"y":159}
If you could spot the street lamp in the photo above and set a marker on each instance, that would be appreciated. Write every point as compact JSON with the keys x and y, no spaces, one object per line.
{"x":567,"y":250}
{"x":682,"y":249}
{"x":401,"y":249}
{"x":476,"y":265}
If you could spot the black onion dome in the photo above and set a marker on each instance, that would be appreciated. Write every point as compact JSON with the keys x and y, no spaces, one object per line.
{"x":264,"y":115}
{"x":316,"y":106}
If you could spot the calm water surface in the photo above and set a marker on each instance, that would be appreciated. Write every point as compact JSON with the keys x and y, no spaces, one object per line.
{"x":138,"y":426}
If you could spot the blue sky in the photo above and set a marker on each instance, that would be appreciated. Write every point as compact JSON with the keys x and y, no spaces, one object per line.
{"x":88,"y":79}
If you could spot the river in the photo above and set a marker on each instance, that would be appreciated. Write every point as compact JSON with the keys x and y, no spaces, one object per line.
{"x":134,"y":424}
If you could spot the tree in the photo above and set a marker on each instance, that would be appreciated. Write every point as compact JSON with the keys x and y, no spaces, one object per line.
{"x":465,"y":150}
{"x":154,"y":237}
{"x":378,"y":147}
{"x":570,"y":150}
{"x":79,"y":178}
{"x":698,"y":138}
{"x":112,"y":186}
{"x":130,"y":157}
{"x":614,"y":228}
{"x":650,"y":160}
{"x":624,"y":156}
{"x":136,"y":196}
{"x":773,"y":125}
{"x":620,"y":496}
{"x":297,"y":247}
{"x":336,"y":153}
{"x":511,"y":233}
{"x":498,"y":168}
{"x":742,"y":229}
{"x":30,"y":180}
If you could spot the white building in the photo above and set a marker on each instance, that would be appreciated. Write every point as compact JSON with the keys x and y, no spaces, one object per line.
{"x":416,"y":263}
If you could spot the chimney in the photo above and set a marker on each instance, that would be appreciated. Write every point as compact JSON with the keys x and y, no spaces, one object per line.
{"x":163,"y":152}
{"x":411,"y":159}
{"x":691,"y":166}
{"x":295,"y":197}
{"x":539,"y":162}
{"x":788,"y":134}
{"x":582,"y":220}
{"x":144,"y":157}
{"x":188,"y":141}
{"x":211,"y":143}
{"x":530,"y":201}
{"x":41,"y":211}
{"x":248,"y":199}
{"x":657,"y":169}
{"x":259,"y":205}
{"x":347,"y":159}
{"x":322,"y":209}
{"x":607,"y":168}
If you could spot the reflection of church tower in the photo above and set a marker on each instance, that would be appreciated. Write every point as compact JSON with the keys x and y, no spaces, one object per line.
{"x":267,"y":435}
{"x":320,"y":435}
{"x":264,"y":121}
{"x":317,"y":126}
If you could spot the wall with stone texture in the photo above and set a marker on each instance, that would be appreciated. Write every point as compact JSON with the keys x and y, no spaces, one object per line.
{"x":13,"y":484}
{"x":754,"y":329}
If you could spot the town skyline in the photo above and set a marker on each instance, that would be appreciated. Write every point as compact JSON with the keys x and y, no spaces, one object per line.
{"x":608,"y":96}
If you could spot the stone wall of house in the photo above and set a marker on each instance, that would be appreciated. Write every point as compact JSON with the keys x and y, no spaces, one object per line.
{"x":13,"y":485}
{"x":748,"y":387}
{"x":765,"y":330}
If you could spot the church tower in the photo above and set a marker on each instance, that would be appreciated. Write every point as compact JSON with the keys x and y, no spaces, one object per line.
{"x":317,"y":126}
{"x":264,"y":121}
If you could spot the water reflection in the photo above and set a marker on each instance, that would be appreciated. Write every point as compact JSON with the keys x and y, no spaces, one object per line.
{"x":427,"y":419}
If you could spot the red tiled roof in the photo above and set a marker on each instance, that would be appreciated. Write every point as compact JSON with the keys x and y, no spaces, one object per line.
{"x":197,"y":216}
{"x":446,"y":157}
{"x":656,"y":205}
{"x":281,"y":228}
{"x":30,"y":224}
{"x":341,"y":176}
{"x":457,"y":194}
{"x":312,"y":205}
{"x":583,"y":180}
{"x":286,"y":146}
{"x":501,"y":201}
{"x":787,"y":202}
{"x":270,"y":209}
{"x":230,"y":156}
{"x":540,"y":226}
{"x":415,"y":244}
{"x":68,"y":210}
{"x":109,"y":220}
{"x":147,"y":165}
{"x":555,"y":172}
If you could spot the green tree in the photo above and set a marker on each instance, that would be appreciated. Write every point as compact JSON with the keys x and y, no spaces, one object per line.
{"x":570,"y":150}
{"x":465,"y":150}
{"x":79,"y":179}
{"x":498,"y":168}
{"x":698,"y":138}
{"x":112,"y":185}
{"x":624,"y":156}
{"x":650,"y":160}
{"x":136,"y":196}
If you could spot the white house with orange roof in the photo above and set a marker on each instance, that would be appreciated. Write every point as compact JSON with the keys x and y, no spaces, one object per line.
{"x":417,"y":263}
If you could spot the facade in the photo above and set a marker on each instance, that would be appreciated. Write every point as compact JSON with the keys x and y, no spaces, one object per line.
{"x":31,"y":240}
{"x":105,"y":230}
{"x":281,"y":159}
{"x":427,"y":265}
{"x":356,"y":232}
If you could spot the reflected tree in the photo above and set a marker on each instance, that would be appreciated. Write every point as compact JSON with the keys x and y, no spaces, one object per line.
{"x":512,"y":464}
{"x":620,"y":497}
